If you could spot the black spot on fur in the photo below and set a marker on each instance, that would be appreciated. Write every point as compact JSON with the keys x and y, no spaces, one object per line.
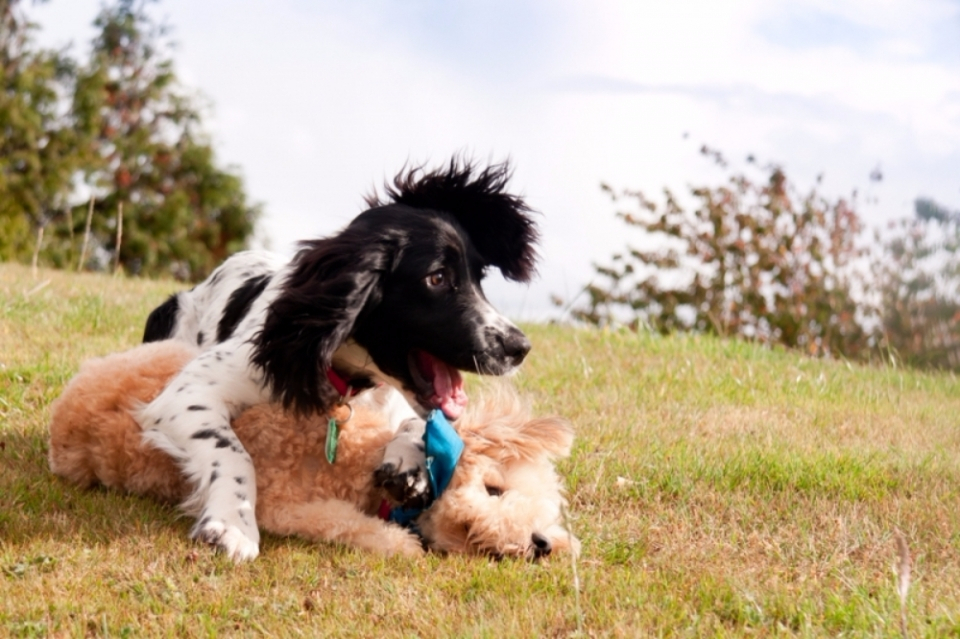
{"x":162,"y":320}
{"x":200,"y":338}
{"x":197,"y":407}
{"x":209,"y":433}
{"x":240,"y":480}
{"x":239,"y":305}
{"x":214,"y":476}
{"x":240,"y":496}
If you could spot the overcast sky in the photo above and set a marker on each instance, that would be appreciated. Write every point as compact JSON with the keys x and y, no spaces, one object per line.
{"x":317,"y":102}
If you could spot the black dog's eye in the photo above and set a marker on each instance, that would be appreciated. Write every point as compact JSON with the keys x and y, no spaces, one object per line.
{"x":437,"y":279}
{"x":494,"y":491}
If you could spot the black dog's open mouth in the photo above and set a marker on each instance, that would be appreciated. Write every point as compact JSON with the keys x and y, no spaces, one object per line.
{"x":438,"y":384}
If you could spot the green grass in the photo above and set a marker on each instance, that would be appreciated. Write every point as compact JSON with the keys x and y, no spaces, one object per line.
{"x":720,"y":489}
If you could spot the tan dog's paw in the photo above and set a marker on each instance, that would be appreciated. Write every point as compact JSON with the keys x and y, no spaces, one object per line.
{"x":398,"y":541}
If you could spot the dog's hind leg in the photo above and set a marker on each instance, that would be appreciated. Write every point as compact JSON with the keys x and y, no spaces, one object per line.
{"x":338,"y":521}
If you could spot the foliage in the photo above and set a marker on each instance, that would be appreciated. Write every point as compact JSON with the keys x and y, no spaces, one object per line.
{"x":755,"y":260}
{"x":121,"y":125}
{"x":918,"y":278}
{"x":37,"y":148}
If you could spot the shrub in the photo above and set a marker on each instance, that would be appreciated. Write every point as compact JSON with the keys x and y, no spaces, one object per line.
{"x":754,"y":259}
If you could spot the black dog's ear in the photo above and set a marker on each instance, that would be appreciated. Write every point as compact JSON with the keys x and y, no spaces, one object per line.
{"x":332,"y":280}
{"x":499,"y":224}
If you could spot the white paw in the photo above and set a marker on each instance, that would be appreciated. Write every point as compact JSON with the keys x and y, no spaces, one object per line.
{"x":403,"y":472}
{"x":230,"y":539}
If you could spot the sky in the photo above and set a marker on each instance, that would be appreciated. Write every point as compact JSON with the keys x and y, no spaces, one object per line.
{"x":317,"y":102}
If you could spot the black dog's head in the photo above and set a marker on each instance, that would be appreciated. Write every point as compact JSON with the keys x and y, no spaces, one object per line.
{"x":396,"y":295}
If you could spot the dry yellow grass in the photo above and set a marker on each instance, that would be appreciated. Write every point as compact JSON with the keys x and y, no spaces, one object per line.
{"x":720,"y":489}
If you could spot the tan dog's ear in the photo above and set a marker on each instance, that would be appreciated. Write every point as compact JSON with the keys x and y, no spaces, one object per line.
{"x":551,"y":434}
{"x":545,"y":436}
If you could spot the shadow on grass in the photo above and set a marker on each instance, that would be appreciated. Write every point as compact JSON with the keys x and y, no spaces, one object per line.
{"x":36,"y":504}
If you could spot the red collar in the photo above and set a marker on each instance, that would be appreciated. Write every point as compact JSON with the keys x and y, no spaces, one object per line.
{"x":341,"y":384}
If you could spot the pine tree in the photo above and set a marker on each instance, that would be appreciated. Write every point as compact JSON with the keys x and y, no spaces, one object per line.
{"x":182,"y":213}
{"x":38,"y":152}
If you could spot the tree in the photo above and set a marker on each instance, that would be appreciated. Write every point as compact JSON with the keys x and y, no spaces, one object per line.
{"x":755,"y":260}
{"x":182,"y":214}
{"x":918,"y":277}
{"x":38,"y":152}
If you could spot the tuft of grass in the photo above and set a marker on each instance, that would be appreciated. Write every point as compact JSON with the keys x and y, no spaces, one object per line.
{"x":719,"y":489}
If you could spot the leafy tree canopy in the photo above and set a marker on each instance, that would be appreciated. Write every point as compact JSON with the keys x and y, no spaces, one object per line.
{"x":37,"y":149}
{"x":132,"y":135}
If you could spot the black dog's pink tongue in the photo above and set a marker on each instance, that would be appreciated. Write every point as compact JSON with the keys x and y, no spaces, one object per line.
{"x":448,"y":393}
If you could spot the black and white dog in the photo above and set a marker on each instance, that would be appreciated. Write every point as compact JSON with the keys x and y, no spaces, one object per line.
{"x":394,"y":297}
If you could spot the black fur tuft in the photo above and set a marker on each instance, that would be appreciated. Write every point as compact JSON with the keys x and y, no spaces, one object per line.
{"x":498,"y":223}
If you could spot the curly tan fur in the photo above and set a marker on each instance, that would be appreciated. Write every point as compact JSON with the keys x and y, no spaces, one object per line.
{"x":504,"y":499}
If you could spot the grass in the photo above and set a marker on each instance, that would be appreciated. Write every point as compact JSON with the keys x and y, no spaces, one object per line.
{"x":720,"y":489}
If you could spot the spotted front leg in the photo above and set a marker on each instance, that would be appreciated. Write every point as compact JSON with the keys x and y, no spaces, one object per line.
{"x":190,"y":420}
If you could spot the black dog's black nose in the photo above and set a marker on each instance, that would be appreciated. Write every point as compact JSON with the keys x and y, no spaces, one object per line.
{"x":541,"y":545}
{"x":515,"y":345}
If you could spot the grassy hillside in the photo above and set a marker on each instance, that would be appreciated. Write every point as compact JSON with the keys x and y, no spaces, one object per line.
{"x":719,"y":489}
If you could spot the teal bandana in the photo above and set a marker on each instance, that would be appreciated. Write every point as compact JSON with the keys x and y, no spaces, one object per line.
{"x":443,"y":447}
